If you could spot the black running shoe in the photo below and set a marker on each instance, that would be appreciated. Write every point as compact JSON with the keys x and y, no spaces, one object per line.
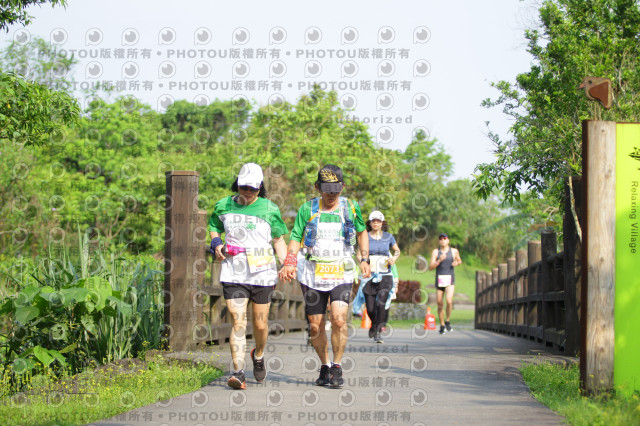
{"x":237,"y":381}
{"x":372,"y":332}
{"x":448,"y":326}
{"x":336,"y":380}
{"x":259,"y":369}
{"x":378,"y":338}
{"x":441,"y":329}
{"x":325,"y":376}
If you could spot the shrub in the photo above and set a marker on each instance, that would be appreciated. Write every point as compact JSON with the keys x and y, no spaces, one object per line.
{"x":409,"y":292}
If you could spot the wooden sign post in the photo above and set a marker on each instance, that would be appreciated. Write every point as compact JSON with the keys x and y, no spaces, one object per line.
{"x":610,"y":287}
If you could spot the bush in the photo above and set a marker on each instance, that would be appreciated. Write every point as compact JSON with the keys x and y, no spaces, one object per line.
{"x":409,"y":292}
{"x":62,"y":317}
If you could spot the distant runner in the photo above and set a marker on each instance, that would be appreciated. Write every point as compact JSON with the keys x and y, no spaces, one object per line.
{"x":377,"y":289}
{"x":443,"y":259}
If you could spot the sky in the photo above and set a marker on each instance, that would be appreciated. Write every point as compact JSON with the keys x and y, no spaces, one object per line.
{"x":402,"y":67}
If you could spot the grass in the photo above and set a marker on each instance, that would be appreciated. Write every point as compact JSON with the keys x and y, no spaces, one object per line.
{"x":104,"y":392}
{"x":465,"y":276}
{"x":557,"y":387}
{"x":459,"y":318}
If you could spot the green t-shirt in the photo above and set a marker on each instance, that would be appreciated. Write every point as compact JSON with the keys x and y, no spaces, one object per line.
{"x":267,"y":213}
{"x":250,"y":228}
{"x":304,"y":214}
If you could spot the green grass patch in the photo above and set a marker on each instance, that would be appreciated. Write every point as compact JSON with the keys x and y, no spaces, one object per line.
{"x":459,"y":318}
{"x":465,"y":275}
{"x":558,"y":388}
{"x":104,"y":392}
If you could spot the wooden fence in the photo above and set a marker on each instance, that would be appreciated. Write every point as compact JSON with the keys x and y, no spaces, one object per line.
{"x":194,"y":308}
{"x":536,"y":293}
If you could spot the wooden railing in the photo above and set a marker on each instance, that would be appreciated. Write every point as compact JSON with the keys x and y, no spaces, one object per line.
{"x":536,"y":293}
{"x":194,"y":308}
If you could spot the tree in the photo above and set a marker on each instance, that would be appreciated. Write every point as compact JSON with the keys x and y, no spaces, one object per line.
{"x":39,"y":61}
{"x":575,"y":39}
{"x":424,"y":168}
{"x":13,"y":11}
{"x":31,"y":113}
{"x":292,"y":142}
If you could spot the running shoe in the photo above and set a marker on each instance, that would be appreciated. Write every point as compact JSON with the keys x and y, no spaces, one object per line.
{"x":336,"y":380}
{"x":259,"y":369}
{"x":442,"y":329}
{"x":448,"y":326}
{"x":378,"y":338}
{"x":325,"y":376}
{"x":237,"y":381}
{"x":372,"y":332}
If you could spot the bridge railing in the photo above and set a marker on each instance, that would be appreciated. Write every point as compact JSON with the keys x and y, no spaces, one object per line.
{"x":536,"y":293}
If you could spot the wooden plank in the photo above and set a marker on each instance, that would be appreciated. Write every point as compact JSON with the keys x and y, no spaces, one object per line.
{"x":572,"y":254}
{"x":598,"y":255}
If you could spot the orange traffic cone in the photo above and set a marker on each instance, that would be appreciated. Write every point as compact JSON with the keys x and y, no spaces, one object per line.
{"x":429,"y":320}
{"x":366,"y":321}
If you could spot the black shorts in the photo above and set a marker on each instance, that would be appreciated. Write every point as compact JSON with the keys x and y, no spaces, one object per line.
{"x":444,"y":288}
{"x":258,"y":294}
{"x":315,"y":301}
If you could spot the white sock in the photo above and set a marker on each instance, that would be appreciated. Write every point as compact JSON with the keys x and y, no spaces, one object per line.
{"x":258,"y":358}
{"x":328,"y":365}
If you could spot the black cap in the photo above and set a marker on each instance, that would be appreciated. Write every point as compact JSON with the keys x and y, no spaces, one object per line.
{"x":443,"y":235}
{"x":330,"y":178}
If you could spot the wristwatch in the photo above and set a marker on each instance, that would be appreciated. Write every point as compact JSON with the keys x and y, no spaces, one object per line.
{"x":366,"y":260}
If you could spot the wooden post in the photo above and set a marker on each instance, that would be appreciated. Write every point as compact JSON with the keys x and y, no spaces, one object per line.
{"x":180,"y":255}
{"x":511,"y":272}
{"x":598,"y":255}
{"x":478,"y":287}
{"x":572,"y":254}
{"x":521,"y":306}
{"x":533,"y":296}
{"x":502,"y":282}
{"x":549,"y":247}
{"x":494,"y":297}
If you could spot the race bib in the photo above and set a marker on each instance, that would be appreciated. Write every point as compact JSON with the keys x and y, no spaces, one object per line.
{"x":444,"y":281}
{"x":330,"y":272}
{"x":379,"y":264}
{"x":261,"y":262}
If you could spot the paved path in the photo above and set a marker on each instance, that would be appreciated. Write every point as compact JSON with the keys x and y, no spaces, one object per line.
{"x":463,"y":377}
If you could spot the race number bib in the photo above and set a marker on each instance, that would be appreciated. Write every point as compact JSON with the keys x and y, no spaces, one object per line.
{"x":379,"y":264}
{"x":260,"y":262}
{"x":444,"y":281}
{"x":330,"y":272}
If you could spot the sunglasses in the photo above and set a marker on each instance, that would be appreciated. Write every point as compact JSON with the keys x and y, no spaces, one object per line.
{"x":444,"y":238}
{"x":248,"y":188}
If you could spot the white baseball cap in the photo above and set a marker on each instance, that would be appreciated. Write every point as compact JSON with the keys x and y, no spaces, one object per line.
{"x":376,"y":215}
{"x":250,"y":175}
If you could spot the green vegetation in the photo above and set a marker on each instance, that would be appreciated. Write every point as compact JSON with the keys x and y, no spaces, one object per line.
{"x":410,"y":268}
{"x":103,"y":392}
{"x":62,"y":315}
{"x":557,"y":387}
{"x":459,"y":318}
{"x":573,"y":40}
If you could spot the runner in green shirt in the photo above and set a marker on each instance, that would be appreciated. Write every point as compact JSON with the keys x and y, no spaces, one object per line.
{"x":251,"y":223}
{"x":327,"y":228}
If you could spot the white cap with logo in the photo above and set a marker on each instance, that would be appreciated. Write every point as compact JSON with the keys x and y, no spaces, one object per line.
{"x":250,"y":175}
{"x":376,"y":215}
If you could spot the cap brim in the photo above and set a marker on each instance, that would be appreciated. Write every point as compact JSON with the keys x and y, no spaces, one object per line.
{"x":331,"y":187}
{"x":251,"y":184}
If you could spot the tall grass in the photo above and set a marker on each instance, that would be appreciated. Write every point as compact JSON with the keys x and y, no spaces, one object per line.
{"x":558,"y":387}
{"x":64,"y":313}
